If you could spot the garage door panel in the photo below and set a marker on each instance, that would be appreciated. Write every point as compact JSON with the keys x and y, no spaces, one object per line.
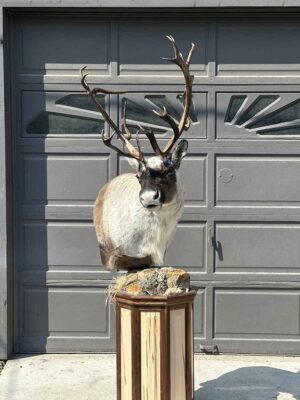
{"x":193,"y":172}
{"x":258,"y":181}
{"x":60,"y":245}
{"x":64,"y":178}
{"x":256,"y":313}
{"x":43,"y":44}
{"x":257,"y":247}
{"x":142,"y":45}
{"x":286,"y":347}
{"x":73,"y":245}
{"x":188,"y":249}
{"x":58,"y":314}
{"x":241,"y":48}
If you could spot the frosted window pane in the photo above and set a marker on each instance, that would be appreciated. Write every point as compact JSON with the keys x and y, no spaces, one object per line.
{"x":284,"y":114}
{"x":54,"y":123}
{"x":135,"y":112}
{"x":295,"y":130}
{"x":259,"y":104}
{"x":81,"y":101}
{"x":233,"y":108}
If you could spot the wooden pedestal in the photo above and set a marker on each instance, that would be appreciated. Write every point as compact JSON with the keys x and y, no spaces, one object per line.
{"x":155,"y":354}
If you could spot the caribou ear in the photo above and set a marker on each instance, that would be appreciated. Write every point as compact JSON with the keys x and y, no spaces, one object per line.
{"x":179,"y":153}
{"x":135,"y":164}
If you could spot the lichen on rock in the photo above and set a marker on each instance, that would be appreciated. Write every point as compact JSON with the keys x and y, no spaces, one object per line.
{"x":152,"y":282}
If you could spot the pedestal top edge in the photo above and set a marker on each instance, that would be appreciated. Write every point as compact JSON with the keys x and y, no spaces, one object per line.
{"x":178,"y":298}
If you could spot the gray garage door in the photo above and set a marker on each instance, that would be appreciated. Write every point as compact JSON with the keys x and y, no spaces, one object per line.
{"x":240,"y":232}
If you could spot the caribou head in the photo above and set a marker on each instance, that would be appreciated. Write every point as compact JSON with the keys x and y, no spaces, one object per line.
{"x":135,"y":215}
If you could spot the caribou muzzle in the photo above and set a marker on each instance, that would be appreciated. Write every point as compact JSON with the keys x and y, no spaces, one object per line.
{"x":151,"y":198}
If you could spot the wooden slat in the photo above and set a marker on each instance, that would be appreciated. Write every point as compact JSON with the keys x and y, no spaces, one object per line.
{"x":177,"y":354}
{"x":118,"y":349}
{"x":136,"y":353}
{"x":189,"y":338}
{"x":150,"y":355}
{"x":165,"y":354}
{"x":126,"y":355}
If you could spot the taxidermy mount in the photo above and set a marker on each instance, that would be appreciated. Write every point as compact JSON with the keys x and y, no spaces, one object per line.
{"x":135,"y":214}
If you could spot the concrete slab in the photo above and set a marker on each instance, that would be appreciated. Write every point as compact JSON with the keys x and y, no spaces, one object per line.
{"x":92,"y":377}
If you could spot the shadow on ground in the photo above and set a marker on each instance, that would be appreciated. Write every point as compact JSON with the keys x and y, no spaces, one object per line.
{"x":252,"y":383}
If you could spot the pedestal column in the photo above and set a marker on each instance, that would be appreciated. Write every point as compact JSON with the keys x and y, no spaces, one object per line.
{"x":155,"y":354}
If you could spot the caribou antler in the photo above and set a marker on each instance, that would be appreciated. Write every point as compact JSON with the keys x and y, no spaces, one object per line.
{"x":107,"y":140}
{"x":184,"y":122}
{"x":177,"y":126}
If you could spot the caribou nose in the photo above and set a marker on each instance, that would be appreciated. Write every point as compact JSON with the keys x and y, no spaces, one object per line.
{"x":156,"y":195}
{"x":150,"y":198}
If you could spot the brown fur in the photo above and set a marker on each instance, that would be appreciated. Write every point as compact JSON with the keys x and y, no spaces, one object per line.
{"x":169,"y":191}
{"x":117,"y":261}
{"x":106,"y":244}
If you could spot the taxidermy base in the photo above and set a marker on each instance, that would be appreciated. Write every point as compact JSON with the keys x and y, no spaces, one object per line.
{"x":154,"y":325}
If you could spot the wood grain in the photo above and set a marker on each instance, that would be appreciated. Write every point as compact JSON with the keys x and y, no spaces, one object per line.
{"x":177,"y":354}
{"x":189,"y":339}
{"x":136,"y":353}
{"x":126,"y":355}
{"x":150,"y":355}
{"x":192,"y":347}
{"x":118,"y":349}
{"x":165,"y":353}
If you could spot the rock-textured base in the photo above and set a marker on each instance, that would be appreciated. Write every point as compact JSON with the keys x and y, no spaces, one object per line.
{"x":152,"y":281}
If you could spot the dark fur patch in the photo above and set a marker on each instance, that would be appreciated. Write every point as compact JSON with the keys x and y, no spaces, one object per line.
{"x":165,"y":182}
{"x":112,"y":261}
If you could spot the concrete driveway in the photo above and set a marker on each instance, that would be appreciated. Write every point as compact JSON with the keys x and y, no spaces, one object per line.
{"x":92,"y":377}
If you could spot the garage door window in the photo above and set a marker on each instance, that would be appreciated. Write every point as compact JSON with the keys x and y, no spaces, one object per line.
{"x":64,"y":116}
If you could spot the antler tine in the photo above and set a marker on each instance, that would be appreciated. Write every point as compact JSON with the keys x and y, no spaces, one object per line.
{"x":108,"y":142}
{"x":184,"y":122}
{"x":99,"y":107}
{"x":168,"y":118}
{"x":177,"y":54}
{"x":190,"y":55}
{"x":152,"y":139}
{"x":133,"y":152}
{"x":105,"y":91}
{"x":124,"y":125}
{"x":142,"y":158}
